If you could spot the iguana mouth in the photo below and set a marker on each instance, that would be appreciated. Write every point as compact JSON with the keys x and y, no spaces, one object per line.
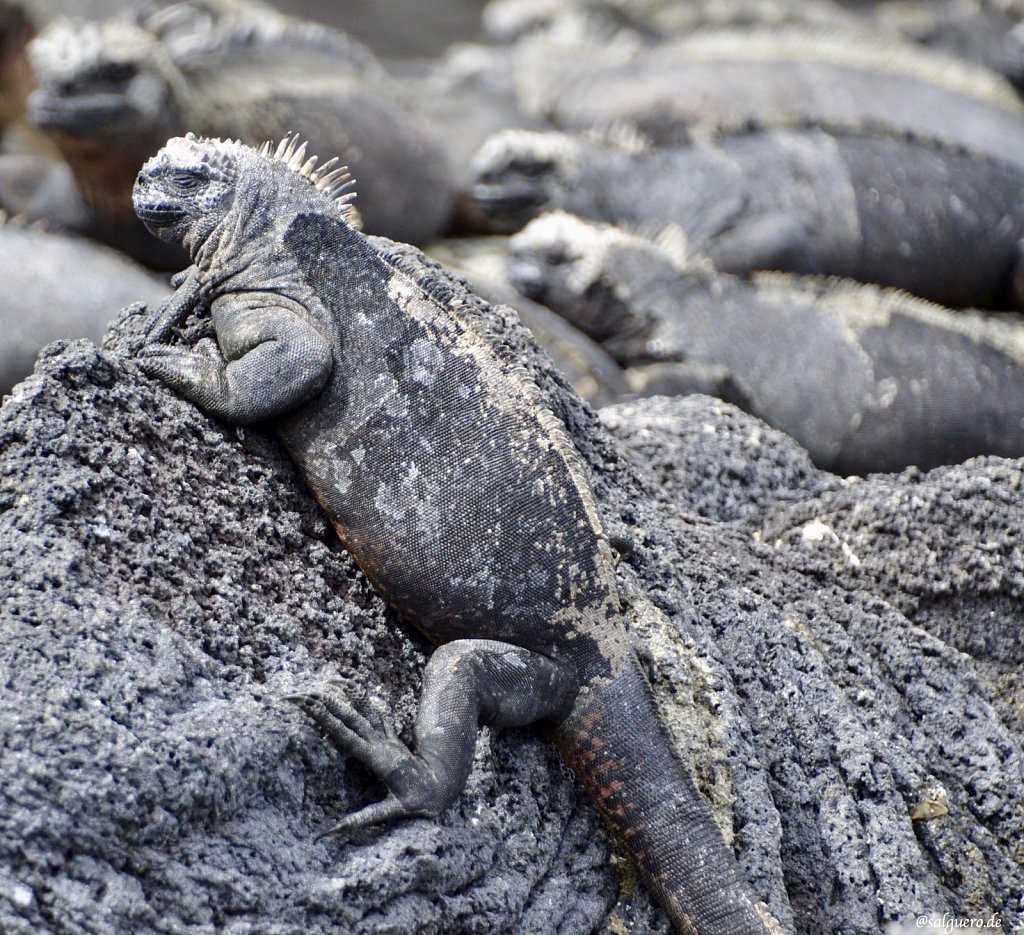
{"x":80,"y":113}
{"x":507,"y":197}
{"x":506,"y":204}
{"x":160,"y":214}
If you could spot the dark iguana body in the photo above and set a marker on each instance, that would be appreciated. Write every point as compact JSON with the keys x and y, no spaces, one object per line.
{"x":481,"y":260}
{"x":940,"y":222}
{"x":111,"y":93}
{"x":459,"y":496}
{"x":865,"y":379}
{"x":729,"y":78}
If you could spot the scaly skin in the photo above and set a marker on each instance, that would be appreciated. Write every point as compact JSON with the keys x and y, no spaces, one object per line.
{"x":459,"y":496}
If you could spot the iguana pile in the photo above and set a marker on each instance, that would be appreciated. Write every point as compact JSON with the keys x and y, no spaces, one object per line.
{"x":865,"y":379}
{"x":939,"y":221}
{"x":109,"y":94}
{"x":459,"y":496}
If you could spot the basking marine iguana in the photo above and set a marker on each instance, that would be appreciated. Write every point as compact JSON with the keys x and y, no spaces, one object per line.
{"x":939,"y":221}
{"x":458,"y":494}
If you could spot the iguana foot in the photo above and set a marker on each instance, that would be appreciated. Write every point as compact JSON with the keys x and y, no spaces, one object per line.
{"x":466,"y":683}
{"x":413,"y":786}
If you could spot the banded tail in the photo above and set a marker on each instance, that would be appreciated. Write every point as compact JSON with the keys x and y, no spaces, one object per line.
{"x":614,"y":742}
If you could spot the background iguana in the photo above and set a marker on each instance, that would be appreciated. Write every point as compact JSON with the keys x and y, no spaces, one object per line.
{"x":938,"y":221}
{"x":55,"y":286}
{"x":110,"y":93}
{"x":865,"y":379}
{"x":728,"y":78}
{"x":459,"y":496}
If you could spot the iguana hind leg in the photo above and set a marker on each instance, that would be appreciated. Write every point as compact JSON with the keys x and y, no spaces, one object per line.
{"x":467,"y":683}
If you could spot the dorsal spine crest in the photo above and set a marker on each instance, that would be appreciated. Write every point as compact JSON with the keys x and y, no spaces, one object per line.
{"x":337,"y":183}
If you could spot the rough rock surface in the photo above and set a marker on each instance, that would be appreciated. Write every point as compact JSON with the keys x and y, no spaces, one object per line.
{"x":165,"y":579}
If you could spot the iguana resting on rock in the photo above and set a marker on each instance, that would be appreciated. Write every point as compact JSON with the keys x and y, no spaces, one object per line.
{"x":865,"y":379}
{"x":942,"y":223}
{"x":728,"y":78}
{"x":459,"y":496}
{"x":111,"y":93}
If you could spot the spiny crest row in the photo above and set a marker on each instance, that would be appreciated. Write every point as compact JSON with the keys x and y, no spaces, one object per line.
{"x":335,"y":182}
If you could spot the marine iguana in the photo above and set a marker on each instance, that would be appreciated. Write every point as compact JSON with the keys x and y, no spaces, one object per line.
{"x":865,"y":379}
{"x":459,"y":496}
{"x":728,"y":78}
{"x":110,"y":93}
{"x":938,"y":221}
{"x":591,"y":371}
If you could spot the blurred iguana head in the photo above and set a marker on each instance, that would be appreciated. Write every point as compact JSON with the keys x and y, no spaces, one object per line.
{"x":588,"y":271}
{"x":517,"y":174}
{"x":110,"y":77}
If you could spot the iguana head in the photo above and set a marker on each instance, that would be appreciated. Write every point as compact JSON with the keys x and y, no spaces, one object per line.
{"x":517,"y":174}
{"x":107,"y":78}
{"x":584,"y":270}
{"x":188,"y":189}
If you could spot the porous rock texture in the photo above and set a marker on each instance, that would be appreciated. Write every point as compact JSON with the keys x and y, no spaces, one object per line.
{"x":166,"y":579}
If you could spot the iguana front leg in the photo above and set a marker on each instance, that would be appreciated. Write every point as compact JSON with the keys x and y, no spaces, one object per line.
{"x":269,"y":361}
{"x":467,"y":683}
{"x":176,"y":307}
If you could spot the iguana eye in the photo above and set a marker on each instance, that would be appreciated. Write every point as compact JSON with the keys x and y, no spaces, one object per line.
{"x":119,"y":72}
{"x":185,"y":181}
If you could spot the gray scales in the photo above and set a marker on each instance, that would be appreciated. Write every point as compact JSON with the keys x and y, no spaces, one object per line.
{"x":110,"y":93}
{"x":865,"y":379}
{"x":938,"y":221}
{"x":458,"y":494}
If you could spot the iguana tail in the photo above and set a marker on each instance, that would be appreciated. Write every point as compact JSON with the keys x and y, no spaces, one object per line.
{"x":615,"y":743}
